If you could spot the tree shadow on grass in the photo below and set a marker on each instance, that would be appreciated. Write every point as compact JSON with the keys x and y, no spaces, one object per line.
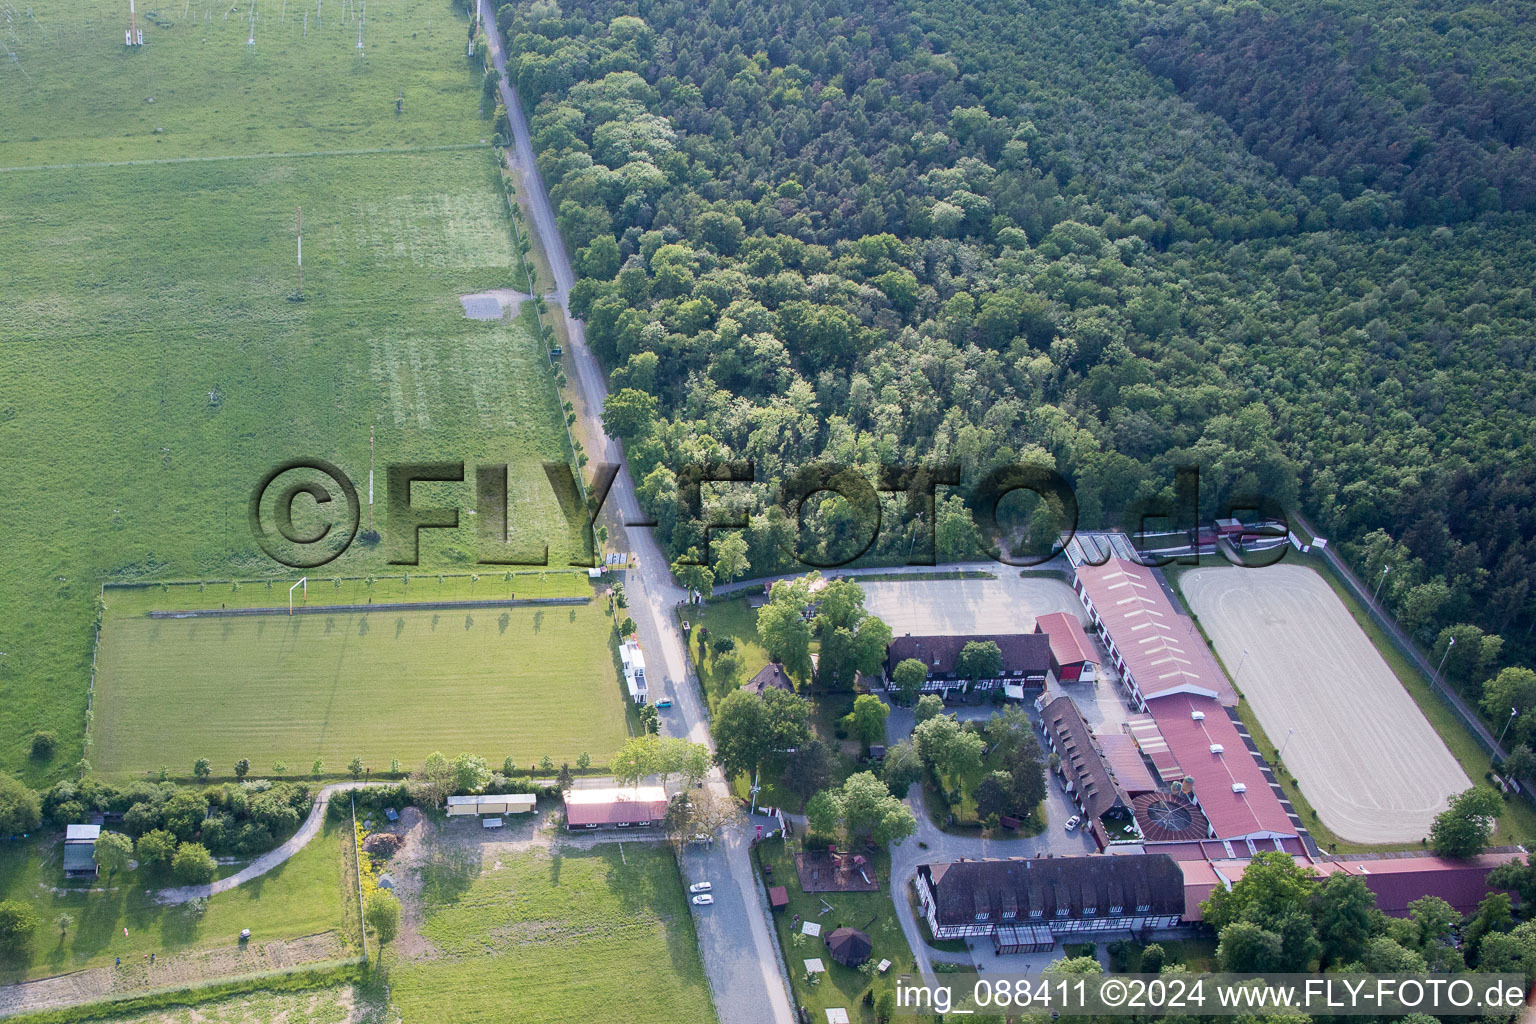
{"x":447,"y":874}
{"x":648,"y":883}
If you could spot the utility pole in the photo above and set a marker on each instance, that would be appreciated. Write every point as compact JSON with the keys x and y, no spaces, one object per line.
{"x":1281,"y":755}
{"x":1440,"y":670}
{"x":370,"y":480}
{"x":1512,"y":713}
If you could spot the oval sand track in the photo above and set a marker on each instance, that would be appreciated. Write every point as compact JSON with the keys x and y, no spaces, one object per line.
{"x":1365,"y":756}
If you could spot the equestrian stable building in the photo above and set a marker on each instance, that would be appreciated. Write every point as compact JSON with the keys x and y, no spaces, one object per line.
{"x":1026,"y":661}
{"x":1026,"y":905}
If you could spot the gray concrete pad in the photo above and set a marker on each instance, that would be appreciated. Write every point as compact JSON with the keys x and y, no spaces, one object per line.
{"x":492,"y":305}
{"x":1364,"y":754}
{"x":1008,"y":604}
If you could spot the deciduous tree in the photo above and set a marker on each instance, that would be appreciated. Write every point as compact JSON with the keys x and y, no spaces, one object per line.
{"x":908,"y":677}
{"x":1463,"y":828}
{"x":112,"y":852}
{"x":383,"y":914}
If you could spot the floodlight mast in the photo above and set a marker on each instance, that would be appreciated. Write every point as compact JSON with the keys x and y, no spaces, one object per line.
{"x":303,"y":582}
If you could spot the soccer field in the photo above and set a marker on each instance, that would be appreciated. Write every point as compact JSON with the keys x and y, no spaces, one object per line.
{"x":520,"y":682}
{"x":1362,"y":751}
{"x":156,"y":364}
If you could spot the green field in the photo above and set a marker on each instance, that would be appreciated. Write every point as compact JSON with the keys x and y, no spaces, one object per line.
{"x":302,"y":896}
{"x":155,"y":367}
{"x":552,"y":936}
{"x":521,"y":682}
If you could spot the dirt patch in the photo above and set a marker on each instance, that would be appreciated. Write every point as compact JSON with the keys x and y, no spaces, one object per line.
{"x":844,"y":872}
{"x":461,"y":843}
{"x":383,"y":844}
{"x":183,"y":970}
{"x":495,"y":304}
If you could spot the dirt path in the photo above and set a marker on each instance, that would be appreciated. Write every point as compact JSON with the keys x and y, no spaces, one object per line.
{"x":272,"y":858}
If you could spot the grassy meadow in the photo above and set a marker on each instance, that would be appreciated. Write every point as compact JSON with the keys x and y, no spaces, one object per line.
{"x":155,"y":363}
{"x":383,"y":685}
{"x":302,"y":896}
{"x":541,"y":936}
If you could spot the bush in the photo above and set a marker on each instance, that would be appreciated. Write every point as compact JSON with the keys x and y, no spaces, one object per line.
{"x":155,"y":849}
{"x":44,"y":743}
{"x":383,"y":914}
{"x":20,"y":809}
{"x":17,"y":923}
{"x":193,"y":864}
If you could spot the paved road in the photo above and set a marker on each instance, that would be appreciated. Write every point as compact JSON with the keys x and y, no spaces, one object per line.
{"x":734,"y":937}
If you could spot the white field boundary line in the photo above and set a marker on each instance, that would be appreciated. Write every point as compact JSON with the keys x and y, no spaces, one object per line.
{"x":230,"y":157}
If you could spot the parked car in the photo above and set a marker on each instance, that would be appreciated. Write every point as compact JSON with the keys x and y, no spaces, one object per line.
{"x":663,"y":703}
{"x":700,"y":887}
{"x":703,"y":901}
{"x":1073,"y":822}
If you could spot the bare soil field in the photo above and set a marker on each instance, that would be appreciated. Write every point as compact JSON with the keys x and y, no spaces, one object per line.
{"x":1008,"y":604}
{"x":1358,"y":745}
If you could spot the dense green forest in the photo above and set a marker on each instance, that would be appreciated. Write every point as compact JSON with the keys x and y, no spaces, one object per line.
{"x":1111,"y":240}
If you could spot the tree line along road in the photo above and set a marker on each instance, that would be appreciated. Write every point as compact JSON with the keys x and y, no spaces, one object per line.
{"x":735,"y":940}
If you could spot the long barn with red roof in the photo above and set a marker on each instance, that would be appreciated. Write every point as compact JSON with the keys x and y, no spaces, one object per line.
{"x":1169,"y":673}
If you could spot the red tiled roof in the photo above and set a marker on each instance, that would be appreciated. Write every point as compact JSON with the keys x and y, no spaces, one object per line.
{"x":1125,"y":761}
{"x":1398,"y":881}
{"x":615,"y":806}
{"x":1200,"y":880}
{"x":1234,"y":815}
{"x":1395,"y":879}
{"x":1069,"y":644}
{"x":1162,"y":650}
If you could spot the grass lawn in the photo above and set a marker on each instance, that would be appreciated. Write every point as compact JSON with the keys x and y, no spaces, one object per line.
{"x":155,"y":365}
{"x":541,"y":936}
{"x":1517,"y":825}
{"x":391,"y":684}
{"x":720,"y":674}
{"x":870,"y":912}
{"x":1195,"y":954}
{"x":302,"y":896}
